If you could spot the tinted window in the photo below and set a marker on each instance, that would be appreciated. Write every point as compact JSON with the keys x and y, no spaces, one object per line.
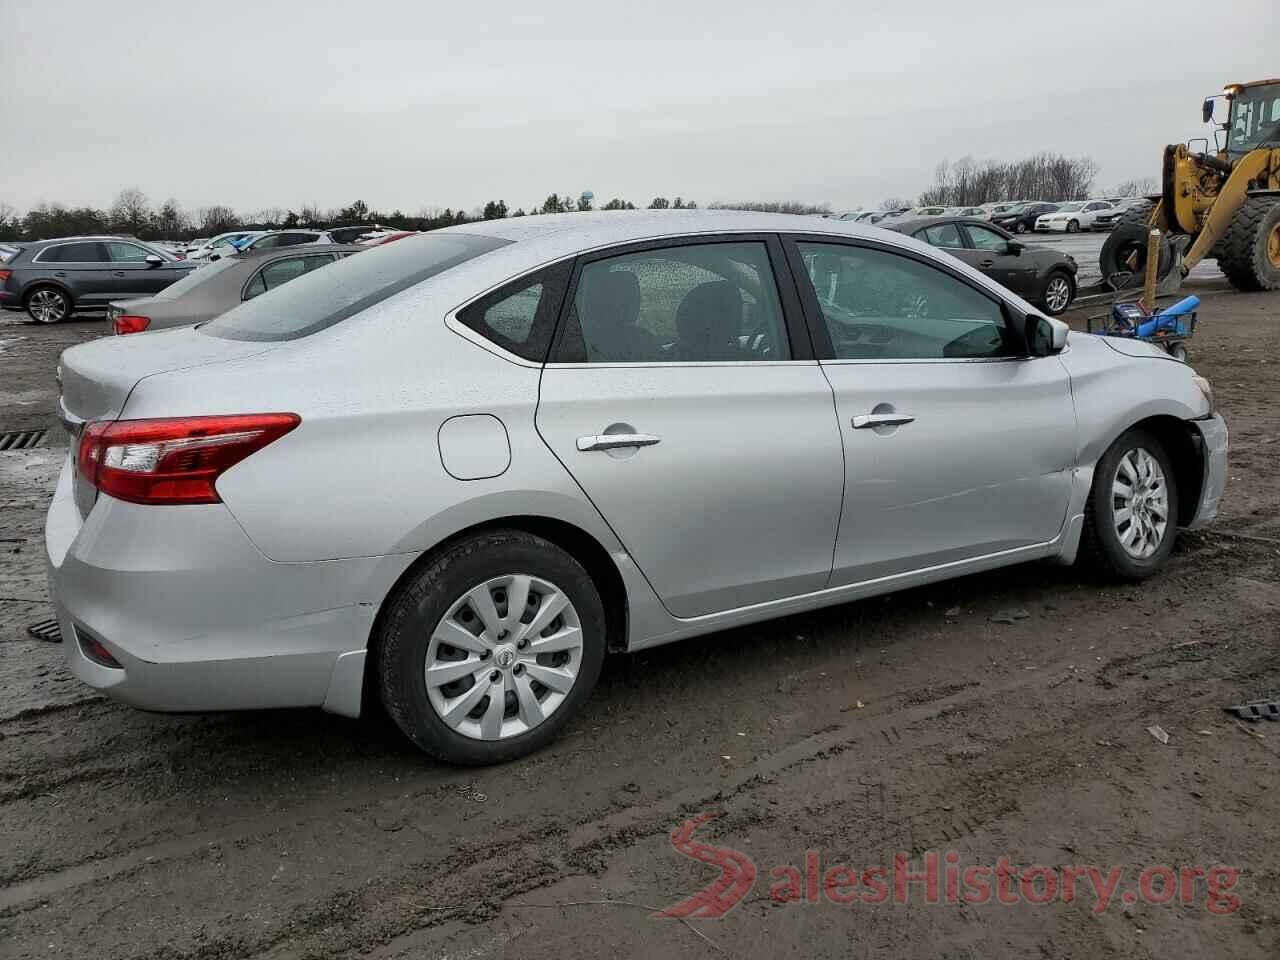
{"x":697,"y":303}
{"x":126,"y":252}
{"x":280,"y":272}
{"x":74,"y":253}
{"x":322,"y":298}
{"x":521,"y":316}
{"x":985,"y":239}
{"x":883,"y":306}
{"x":941,"y":235}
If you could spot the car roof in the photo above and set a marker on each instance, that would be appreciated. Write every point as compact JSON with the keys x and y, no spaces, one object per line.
{"x":86,"y":238}
{"x":270,"y":252}
{"x":564,"y":234}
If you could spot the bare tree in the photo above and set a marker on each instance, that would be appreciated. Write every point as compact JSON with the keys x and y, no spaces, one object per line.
{"x":217,"y":219}
{"x":1143,"y":187}
{"x":130,"y":213}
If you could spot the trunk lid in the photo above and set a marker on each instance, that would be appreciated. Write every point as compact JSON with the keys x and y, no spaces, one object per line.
{"x":98,"y":377}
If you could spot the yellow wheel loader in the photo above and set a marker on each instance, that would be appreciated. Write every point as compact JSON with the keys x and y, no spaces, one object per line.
{"x":1224,"y":204}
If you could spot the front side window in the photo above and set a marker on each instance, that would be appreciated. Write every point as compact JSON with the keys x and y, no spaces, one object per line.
{"x":884,"y":306}
{"x":944,"y":235}
{"x":985,"y":239}
{"x":700,"y":303}
{"x":126,"y":252}
{"x":1255,"y":119}
{"x":74,"y":253}
{"x":322,"y":298}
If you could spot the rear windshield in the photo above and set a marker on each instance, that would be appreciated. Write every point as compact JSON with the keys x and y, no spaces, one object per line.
{"x":322,"y":298}
{"x":196,"y":277}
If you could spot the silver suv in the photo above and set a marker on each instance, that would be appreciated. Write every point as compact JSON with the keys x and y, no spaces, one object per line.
{"x":455,"y":470}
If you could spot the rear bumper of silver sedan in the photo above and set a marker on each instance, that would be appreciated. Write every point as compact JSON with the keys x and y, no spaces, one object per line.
{"x":174,"y":609}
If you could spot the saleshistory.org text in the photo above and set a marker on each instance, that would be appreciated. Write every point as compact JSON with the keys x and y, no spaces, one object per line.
{"x":944,"y":878}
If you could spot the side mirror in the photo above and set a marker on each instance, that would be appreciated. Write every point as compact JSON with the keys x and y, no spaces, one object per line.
{"x":1016,"y":248}
{"x":153,"y":261}
{"x":1044,"y":336}
{"x":1207,"y":111}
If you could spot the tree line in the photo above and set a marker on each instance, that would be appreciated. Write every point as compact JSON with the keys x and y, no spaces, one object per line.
{"x":966,"y":182}
{"x":133,"y":215}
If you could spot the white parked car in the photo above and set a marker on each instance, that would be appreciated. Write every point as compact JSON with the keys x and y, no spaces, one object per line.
{"x":221,"y":244}
{"x":1072,"y":217}
{"x":972,"y":213}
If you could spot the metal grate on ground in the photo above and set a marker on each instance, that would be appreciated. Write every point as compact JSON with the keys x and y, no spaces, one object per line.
{"x":46,"y":630}
{"x":20,"y":439}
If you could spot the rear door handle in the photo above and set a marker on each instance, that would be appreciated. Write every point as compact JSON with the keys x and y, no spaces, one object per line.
{"x":865,"y":421}
{"x":613,"y":441}
{"x":117,"y":273}
{"x":987,"y":264}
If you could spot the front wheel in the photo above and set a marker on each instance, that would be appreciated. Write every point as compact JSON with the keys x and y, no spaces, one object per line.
{"x":1020,"y":228}
{"x":1073,"y":226}
{"x":1057,"y":294}
{"x":1131,"y":519}
{"x":486,"y":652}
{"x":48,"y":305}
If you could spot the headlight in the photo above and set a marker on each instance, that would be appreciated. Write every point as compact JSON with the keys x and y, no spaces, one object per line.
{"x":1206,"y":388}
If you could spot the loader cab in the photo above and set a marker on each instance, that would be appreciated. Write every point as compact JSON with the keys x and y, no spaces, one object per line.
{"x":1254,"y":118}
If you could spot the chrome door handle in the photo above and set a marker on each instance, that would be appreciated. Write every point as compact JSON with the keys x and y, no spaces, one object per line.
{"x":613,"y":441}
{"x":865,"y":421}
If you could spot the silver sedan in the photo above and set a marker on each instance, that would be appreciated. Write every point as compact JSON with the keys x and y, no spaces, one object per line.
{"x":454,"y":471}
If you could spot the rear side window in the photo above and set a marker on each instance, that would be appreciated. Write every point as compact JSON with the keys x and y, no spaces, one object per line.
{"x":321,"y":298}
{"x":521,"y":316}
{"x":73,"y":253}
{"x":281,"y":272}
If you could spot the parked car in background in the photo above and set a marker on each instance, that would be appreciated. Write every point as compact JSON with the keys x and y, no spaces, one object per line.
{"x":214,"y":289}
{"x":195,"y":244}
{"x":350,"y":234}
{"x":52,"y":278}
{"x":1045,"y":277}
{"x":934,"y":211}
{"x":271,"y":239}
{"x":378,"y":239}
{"x":1119,"y":209}
{"x":1022,"y":218}
{"x":450,"y":474}
{"x":1003,"y":207}
{"x":219,"y":244}
{"x":1072,"y":217}
{"x":972,"y":213}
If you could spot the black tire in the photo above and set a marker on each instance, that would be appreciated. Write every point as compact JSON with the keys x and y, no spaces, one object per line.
{"x":1073,"y":226}
{"x":1101,"y":548}
{"x":1128,"y":241}
{"x":47,"y":304}
{"x":1243,"y":252}
{"x":1020,"y":227}
{"x":1050,"y":282}
{"x":420,"y":603}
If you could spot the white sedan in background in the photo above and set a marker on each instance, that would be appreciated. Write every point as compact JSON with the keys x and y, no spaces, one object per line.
{"x":1072,"y":217}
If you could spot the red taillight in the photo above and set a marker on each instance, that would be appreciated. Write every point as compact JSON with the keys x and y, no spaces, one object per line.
{"x":5,"y":275}
{"x":173,"y":461}
{"x":131,"y":324}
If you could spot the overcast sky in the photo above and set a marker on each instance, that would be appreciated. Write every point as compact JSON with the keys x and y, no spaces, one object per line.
{"x":413,"y":103}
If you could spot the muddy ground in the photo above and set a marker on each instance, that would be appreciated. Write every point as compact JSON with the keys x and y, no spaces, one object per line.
{"x":912,"y":723}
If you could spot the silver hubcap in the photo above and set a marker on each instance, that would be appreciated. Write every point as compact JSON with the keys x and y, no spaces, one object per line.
{"x":1057,"y":294}
{"x":504,"y":657}
{"x":47,"y":306}
{"x":1140,"y":503}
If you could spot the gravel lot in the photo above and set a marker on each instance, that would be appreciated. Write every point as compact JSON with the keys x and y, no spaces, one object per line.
{"x":911,"y":723}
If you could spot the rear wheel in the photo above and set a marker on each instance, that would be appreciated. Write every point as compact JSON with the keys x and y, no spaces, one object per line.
{"x":486,"y":652}
{"x":1132,"y":514}
{"x":1020,"y":227}
{"x":1249,"y":253}
{"x":48,"y":305}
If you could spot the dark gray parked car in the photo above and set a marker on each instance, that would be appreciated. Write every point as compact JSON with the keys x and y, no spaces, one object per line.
{"x":1045,"y":277}
{"x":51,"y":278}
{"x":216,"y":288}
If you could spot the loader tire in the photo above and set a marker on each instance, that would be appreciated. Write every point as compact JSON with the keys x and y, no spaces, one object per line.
{"x":1249,"y":252}
{"x":1126,"y":243}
